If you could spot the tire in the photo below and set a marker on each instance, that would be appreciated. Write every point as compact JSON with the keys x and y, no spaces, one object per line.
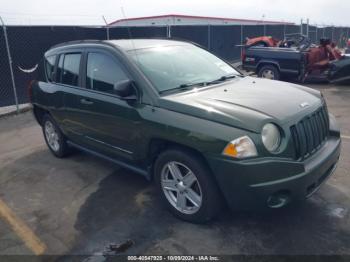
{"x":54,"y":138}
{"x":194,"y":199}
{"x":269,"y":72}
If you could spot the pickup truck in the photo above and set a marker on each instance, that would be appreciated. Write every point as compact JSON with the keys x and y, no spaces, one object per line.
{"x":274,"y":62}
{"x":295,"y":58}
{"x":187,"y":120}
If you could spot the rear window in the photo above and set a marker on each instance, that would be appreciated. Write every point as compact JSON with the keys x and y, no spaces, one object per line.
{"x":50,"y":67}
{"x":68,"y":69}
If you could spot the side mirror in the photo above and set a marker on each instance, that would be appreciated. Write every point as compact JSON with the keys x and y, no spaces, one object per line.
{"x":125,"y":89}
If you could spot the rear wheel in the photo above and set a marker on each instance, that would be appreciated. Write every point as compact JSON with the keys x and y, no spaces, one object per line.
{"x":54,"y":138}
{"x":269,"y":72}
{"x":186,"y":186}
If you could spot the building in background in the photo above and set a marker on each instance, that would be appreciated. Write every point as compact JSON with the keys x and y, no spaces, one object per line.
{"x":171,"y":20}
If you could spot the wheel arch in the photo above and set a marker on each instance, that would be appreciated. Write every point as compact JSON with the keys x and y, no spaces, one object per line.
{"x":39,"y":113}
{"x":268,"y":63}
{"x":158,"y":145}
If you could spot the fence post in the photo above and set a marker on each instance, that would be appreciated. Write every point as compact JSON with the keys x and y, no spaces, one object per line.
{"x":107,"y":26}
{"x":169,"y":31}
{"x":10,"y":64}
{"x":301,"y":27}
{"x":209,"y":37}
{"x":341,"y":40}
{"x":242,"y":41}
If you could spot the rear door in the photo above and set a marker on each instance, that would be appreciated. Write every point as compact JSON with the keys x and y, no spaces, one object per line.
{"x":49,"y":94}
{"x":69,"y":81}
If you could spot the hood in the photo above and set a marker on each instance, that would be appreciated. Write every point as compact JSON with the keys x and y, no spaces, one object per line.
{"x":246,"y":102}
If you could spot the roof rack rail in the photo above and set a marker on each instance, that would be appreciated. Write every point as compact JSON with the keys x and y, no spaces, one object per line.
{"x":175,"y":38}
{"x":87,"y":41}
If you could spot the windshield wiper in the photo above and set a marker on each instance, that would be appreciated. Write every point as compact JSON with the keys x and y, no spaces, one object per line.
{"x":222,"y":79}
{"x":189,"y":86}
{"x":207,"y":83}
{"x":183,"y":87}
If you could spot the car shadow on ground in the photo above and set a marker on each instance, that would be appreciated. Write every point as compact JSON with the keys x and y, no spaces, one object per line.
{"x":126,"y":206}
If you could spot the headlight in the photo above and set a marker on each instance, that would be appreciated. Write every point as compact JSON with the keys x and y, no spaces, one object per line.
{"x":240,"y":148}
{"x":271,"y":137}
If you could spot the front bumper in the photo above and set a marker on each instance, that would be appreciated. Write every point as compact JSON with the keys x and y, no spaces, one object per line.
{"x":253,"y":183}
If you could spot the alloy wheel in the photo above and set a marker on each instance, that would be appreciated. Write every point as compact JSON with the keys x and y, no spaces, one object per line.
{"x":181,"y":187}
{"x":52,"y":136}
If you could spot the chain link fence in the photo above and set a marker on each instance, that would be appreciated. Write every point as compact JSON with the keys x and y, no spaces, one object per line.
{"x":26,"y":47}
{"x":7,"y":92}
{"x":27,"y":44}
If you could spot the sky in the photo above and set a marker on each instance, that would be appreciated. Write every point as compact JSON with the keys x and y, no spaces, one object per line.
{"x":89,"y":12}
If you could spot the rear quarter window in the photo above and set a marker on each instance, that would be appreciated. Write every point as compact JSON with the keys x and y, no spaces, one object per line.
{"x":49,"y":65}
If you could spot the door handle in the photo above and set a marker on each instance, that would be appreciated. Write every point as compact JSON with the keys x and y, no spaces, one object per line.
{"x":86,"y":101}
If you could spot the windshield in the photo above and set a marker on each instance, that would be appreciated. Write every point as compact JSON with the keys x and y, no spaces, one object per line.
{"x":173,"y":67}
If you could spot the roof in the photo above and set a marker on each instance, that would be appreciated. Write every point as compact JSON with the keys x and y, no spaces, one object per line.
{"x":201,"y":17}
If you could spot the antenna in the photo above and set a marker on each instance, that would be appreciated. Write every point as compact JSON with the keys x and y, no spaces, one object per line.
{"x":127,"y":23}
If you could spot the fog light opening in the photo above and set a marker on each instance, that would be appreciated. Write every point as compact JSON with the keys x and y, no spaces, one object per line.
{"x":278,"y":199}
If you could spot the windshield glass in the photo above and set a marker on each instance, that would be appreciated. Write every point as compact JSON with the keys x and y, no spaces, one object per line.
{"x":170,"y":67}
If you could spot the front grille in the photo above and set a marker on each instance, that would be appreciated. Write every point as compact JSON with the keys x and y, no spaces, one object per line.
{"x":310,"y":133}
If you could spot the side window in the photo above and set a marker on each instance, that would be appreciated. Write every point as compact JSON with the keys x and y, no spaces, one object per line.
{"x":50,"y":67}
{"x":68,"y":69}
{"x":103,"y":72}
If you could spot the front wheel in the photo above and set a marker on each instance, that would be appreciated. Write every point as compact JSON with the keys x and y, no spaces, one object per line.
{"x":186,"y":186}
{"x":269,"y":72}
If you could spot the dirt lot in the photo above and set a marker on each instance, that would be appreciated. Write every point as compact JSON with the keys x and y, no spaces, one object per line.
{"x":81,"y":204}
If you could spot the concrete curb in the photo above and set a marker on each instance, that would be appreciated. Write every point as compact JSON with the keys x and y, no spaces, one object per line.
{"x":11,"y":110}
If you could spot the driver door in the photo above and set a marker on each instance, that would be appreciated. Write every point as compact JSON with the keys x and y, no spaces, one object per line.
{"x":103,"y":116}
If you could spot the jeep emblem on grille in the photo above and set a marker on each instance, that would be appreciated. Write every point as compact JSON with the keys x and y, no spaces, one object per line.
{"x":305,"y":104}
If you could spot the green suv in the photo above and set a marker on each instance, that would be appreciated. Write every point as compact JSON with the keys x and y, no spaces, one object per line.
{"x":179,"y":115}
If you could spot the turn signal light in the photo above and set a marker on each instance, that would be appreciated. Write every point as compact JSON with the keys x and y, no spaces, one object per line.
{"x":240,"y":148}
